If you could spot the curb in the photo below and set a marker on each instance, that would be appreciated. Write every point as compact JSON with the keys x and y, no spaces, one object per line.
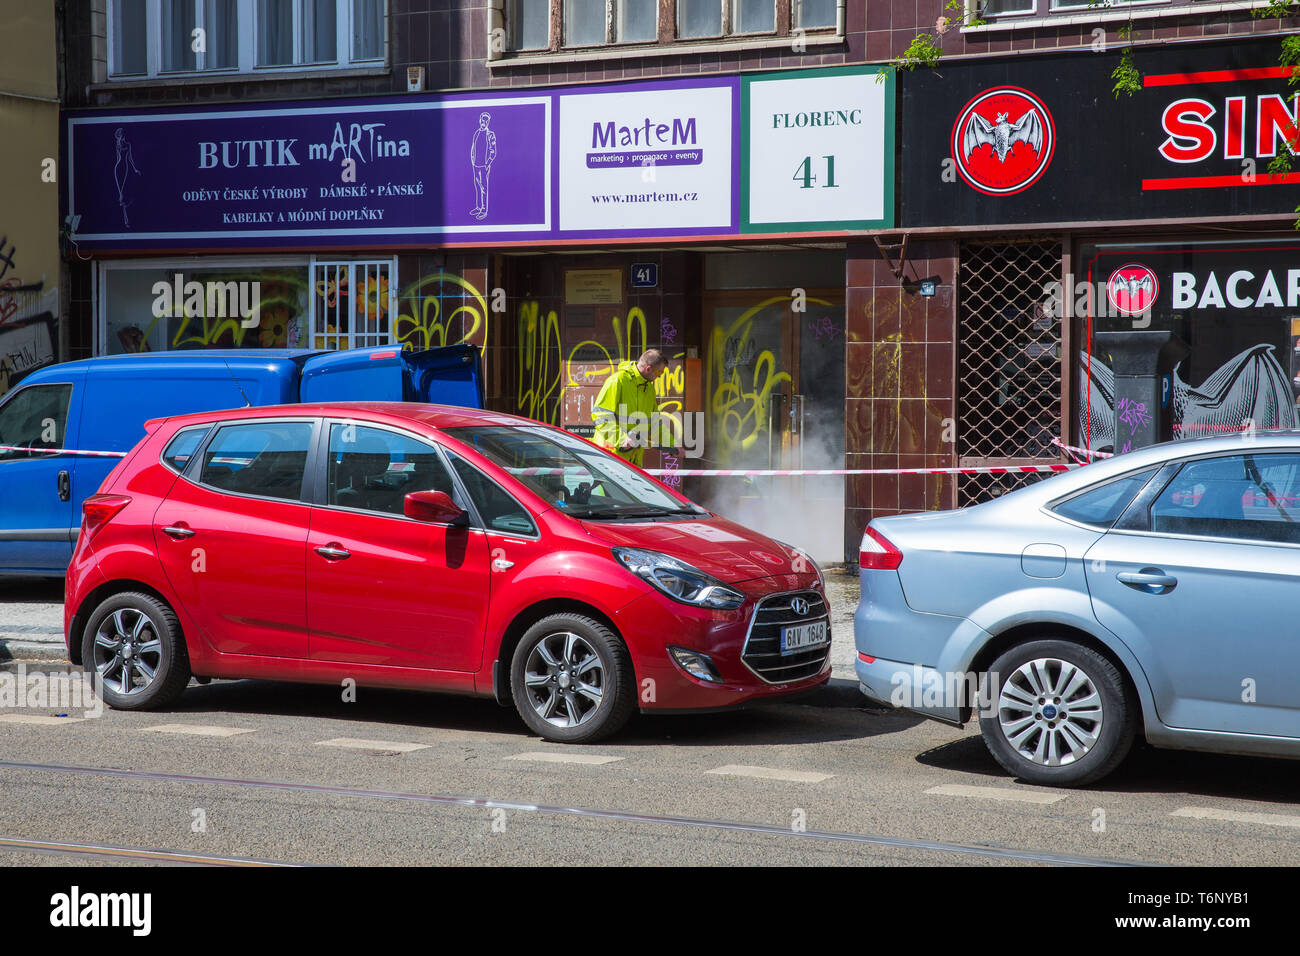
{"x":32,"y":651}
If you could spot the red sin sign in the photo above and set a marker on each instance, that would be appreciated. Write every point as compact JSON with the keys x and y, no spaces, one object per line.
{"x":1230,"y":126}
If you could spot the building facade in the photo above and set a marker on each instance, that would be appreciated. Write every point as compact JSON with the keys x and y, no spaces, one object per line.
{"x":843,"y":270}
{"x":29,"y":228}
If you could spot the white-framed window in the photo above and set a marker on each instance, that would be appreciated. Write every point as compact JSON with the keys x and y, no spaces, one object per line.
{"x":295,"y":302}
{"x":592,"y":23}
{"x":1046,"y":10}
{"x":528,"y":24}
{"x":1000,"y":8}
{"x":354,"y":303}
{"x":156,"y":38}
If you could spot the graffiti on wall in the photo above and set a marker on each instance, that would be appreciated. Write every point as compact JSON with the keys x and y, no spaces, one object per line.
{"x":888,"y":355}
{"x":740,"y":380}
{"x":538,"y":372}
{"x":547,"y":383}
{"x":25,"y":345}
{"x":441,"y":309}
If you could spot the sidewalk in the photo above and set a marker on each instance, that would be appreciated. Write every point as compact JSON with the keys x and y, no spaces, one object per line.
{"x":31,"y":620}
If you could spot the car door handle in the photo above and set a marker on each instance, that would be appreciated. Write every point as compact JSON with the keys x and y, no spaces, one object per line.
{"x":179,"y":533}
{"x":332,"y":553}
{"x":65,"y":486}
{"x":1148,"y":580}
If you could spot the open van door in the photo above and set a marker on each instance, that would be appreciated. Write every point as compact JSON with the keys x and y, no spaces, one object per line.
{"x":444,"y":376}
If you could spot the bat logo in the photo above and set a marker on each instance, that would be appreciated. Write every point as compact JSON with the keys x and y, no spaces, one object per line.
{"x":1003,"y":140}
{"x":1132,"y":289}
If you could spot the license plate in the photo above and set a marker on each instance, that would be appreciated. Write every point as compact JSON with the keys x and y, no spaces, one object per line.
{"x":803,"y":636}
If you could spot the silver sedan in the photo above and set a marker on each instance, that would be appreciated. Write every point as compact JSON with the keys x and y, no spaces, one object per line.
{"x":1147,"y":593}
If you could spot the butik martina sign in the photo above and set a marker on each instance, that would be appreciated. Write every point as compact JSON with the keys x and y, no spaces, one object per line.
{"x":659,"y":158}
{"x":1044,"y":139}
{"x":400,"y":171}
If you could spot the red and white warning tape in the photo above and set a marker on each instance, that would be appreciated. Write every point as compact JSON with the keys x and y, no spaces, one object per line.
{"x":764,"y":473}
{"x":65,"y":451}
{"x":1075,"y":450}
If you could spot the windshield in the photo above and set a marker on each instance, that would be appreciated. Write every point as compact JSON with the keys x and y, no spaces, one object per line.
{"x":570,"y":474}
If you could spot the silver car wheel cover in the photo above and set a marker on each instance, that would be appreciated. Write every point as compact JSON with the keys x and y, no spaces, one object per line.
{"x":564,"y":679}
{"x":1050,"y":712}
{"x":127,"y":652}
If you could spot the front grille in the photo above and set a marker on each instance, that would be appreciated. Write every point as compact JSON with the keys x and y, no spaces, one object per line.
{"x":762,"y":653}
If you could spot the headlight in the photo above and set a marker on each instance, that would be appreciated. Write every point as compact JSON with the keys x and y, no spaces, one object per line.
{"x":679,"y":580}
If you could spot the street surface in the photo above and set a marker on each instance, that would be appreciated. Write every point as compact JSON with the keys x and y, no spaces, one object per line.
{"x":262,"y":771}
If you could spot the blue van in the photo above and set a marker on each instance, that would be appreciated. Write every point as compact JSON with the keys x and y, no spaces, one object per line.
{"x":101,"y":405}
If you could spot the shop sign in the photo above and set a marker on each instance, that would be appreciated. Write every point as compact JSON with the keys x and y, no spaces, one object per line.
{"x":818,"y":150}
{"x":631,"y":160}
{"x":1044,"y":139}
{"x":393,"y":171}
{"x":646,"y":158}
{"x":593,"y":286}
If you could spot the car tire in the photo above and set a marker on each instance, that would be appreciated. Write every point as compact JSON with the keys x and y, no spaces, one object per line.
{"x":1031,"y":728}
{"x":134,"y":642}
{"x":572,"y":680}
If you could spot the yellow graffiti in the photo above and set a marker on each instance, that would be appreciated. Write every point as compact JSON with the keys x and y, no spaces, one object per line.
{"x":420,"y":322}
{"x":630,"y":340}
{"x":738,"y":408}
{"x":891,"y":350}
{"x":539,"y":343}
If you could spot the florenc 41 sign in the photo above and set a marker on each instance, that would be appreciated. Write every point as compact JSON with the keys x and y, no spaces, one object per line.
{"x":1043,"y":139}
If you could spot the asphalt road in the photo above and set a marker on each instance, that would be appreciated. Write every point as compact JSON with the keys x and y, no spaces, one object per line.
{"x":261,"y":771}
{"x":290,"y":773}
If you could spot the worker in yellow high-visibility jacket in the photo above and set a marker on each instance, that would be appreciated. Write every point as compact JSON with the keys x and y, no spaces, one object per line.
{"x":625,"y":410}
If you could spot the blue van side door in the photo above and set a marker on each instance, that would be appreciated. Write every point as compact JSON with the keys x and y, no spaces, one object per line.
{"x":37,"y":521}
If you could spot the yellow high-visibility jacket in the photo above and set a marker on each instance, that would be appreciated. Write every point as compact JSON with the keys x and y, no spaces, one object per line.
{"x":624,"y":406}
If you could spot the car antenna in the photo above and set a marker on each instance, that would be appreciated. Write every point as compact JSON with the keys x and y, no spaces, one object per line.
{"x":247,"y":403}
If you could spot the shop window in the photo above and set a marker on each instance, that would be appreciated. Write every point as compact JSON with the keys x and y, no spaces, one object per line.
{"x":168,"y":37}
{"x":354,"y":303}
{"x":165,"y":305}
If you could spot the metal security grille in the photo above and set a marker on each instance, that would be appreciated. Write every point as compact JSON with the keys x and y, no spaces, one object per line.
{"x":353,"y":303}
{"x":1009,"y":361}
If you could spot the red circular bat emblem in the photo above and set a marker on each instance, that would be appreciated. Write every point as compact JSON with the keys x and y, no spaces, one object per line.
{"x":1132,"y":288}
{"x":1003,"y":140}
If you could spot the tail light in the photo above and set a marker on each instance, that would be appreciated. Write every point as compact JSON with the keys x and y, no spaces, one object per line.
{"x":878,"y":552}
{"x":98,"y":510}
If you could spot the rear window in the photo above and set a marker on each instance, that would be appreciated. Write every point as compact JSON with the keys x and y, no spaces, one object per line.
{"x":1103,"y":504}
{"x":181,"y":448}
{"x":265,"y":459}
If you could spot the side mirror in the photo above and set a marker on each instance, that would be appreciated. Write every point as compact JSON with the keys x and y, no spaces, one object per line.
{"x":434,"y":506}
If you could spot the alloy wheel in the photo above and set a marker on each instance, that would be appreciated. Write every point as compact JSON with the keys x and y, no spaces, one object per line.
{"x":564,"y":679}
{"x":1050,"y":712}
{"x":128,"y":654}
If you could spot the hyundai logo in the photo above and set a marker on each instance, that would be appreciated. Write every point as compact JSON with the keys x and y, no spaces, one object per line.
{"x":800,"y":606}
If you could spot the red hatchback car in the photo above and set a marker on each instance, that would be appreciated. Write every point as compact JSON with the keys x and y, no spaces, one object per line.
{"x":426,"y":546}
